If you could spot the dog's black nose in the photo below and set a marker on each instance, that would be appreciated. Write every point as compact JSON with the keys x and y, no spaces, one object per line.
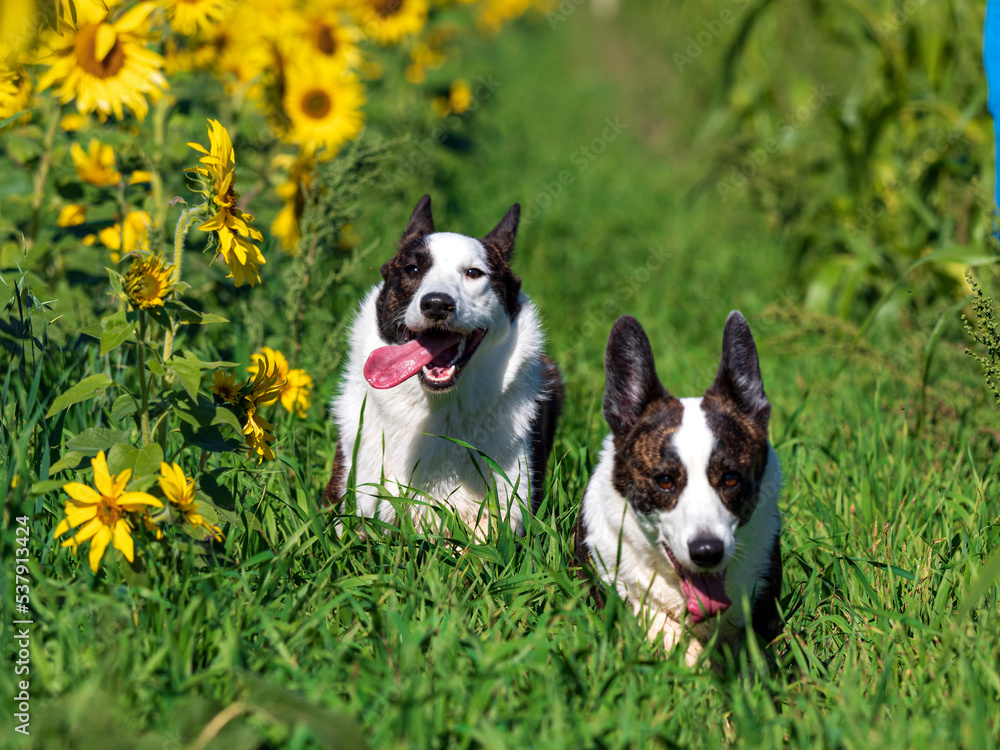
{"x":437,"y":306}
{"x":706,"y":551}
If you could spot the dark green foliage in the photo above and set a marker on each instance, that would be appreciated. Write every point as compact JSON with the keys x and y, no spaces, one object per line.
{"x":857,"y":129}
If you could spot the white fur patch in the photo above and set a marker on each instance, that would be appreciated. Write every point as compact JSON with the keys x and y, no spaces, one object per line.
{"x":491,"y":407}
{"x":476,"y":306}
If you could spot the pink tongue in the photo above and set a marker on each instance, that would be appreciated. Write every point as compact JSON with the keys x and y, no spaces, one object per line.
{"x":706,"y":595}
{"x":389,"y":366}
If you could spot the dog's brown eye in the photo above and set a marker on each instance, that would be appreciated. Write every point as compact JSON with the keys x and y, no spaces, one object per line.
{"x":731,"y":479}
{"x":664,"y":482}
{"x":474,"y":273}
{"x":411,"y":270}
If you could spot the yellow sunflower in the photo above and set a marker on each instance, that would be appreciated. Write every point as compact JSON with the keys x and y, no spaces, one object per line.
{"x":18,"y":25}
{"x":241,"y":256}
{"x":286,"y":224}
{"x":425,"y":55}
{"x":317,"y":37}
{"x":224,"y":388}
{"x":189,"y":16}
{"x":179,"y":490}
{"x":268,"y":378}
{"x":147,"y":282}
{"x":457,"y":102}
{"x":15,"y":85}
{"x":103,"y":512}
{"x":231,"y":225}
{"x":258,"y":433}
{"x":296,"y":394}
{"x":324,"y":111}
{"x":96,"y":165}
{"x":72,"y":122}
{"x":389,"y":21}
{"x":294,"y":387}
{"x":239,"y":52}
{"x":103,"y":63}
{"x":72,"y":215}
{"x":125,"y":237}
{"x":493,"y":14}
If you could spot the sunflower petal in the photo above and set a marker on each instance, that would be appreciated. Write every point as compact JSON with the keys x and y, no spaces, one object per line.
{"x":81,"y":493}
{"x":85,"y":533}
{"x":122,"y":536}
{"x":135,"y":500}
{"x":102,"y":478}
{"x":97,"y":546}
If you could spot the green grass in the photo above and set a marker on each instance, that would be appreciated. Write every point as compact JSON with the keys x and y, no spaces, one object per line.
{"x":304,"y":640}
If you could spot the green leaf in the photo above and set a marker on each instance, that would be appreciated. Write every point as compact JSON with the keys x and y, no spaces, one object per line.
{"x":988,"y":575}
{"x":97,"y":439}
{"x":115,"y":280}
{"x":68,"y":460}
{"x":224,"y":415}
{"x":49,"y":485}
{"x":188,"y":369}
{"x":187,"y":315}
{"x":85,"y":389}
{"x":143,"y":462}
{"x":212,"y":318}
{"x":94,"y":331}
{"x":21,"y":148}
{"x":9,"y":120}
{"x":124,"y":406}
{"x":117,"y":330}
{"x":155,"y":367}
{"x":494,"y":466}
{"x":210,"y":439}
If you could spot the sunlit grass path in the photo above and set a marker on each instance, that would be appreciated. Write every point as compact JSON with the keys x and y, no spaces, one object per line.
{"x":303,"y":640}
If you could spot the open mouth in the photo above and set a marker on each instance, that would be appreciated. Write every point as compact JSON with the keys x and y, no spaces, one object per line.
{"x":705,"y":592}
{"x":436,"y":354}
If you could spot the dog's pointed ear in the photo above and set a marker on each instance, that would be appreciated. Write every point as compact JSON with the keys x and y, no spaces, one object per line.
{"x":421,"y":221}
{"x":738,"y":379}
{"x":502,"y":236}
{"x":631,"y":375}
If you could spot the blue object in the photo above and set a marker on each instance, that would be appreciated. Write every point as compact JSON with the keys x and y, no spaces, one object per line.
{"x":991,"y":62}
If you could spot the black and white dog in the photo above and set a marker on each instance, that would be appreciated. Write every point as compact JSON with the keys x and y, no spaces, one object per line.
{"x":447,"y":345}
{"x":680,"y":515}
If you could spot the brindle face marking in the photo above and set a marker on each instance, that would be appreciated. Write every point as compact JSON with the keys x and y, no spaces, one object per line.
{"x":737,"y":411}
{"x":689,"y":469}
{"x":643,"y":417}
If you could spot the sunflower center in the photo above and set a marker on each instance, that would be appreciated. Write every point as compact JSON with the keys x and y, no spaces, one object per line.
{"x":103,"y":65}
{"x":316,"y":103}
{"x":108,"y":511}
{"x":146,"y":287}
{"x":325,"y":41}
{"x":387,"y":8}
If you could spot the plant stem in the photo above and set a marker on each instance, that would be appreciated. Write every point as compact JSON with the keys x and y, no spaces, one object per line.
{"x":143,"y":384}
{"x":43,"y":169}
{"x":160,"y":112}
{"x":183,"y":224}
